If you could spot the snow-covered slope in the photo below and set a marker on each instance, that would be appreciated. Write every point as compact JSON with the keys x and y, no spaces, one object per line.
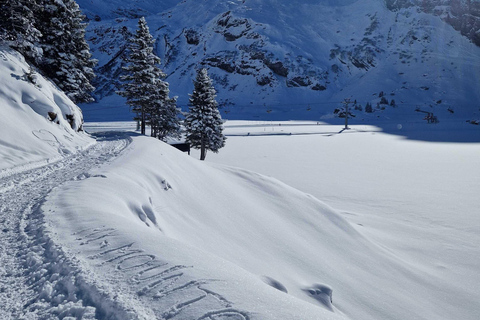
{"x":169,"y":240}
{"x":131,"y":228}
{"x":172,"y":237}
{"x":280,"y":59}
{"x":37,"y":121}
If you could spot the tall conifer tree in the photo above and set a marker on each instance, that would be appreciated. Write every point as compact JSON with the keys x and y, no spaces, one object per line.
{"x":146,"y":92}
{"x":164,"y":115}
{"x":203,"y":123}
{"x":18,"y":27}
{"x":66,"y":55}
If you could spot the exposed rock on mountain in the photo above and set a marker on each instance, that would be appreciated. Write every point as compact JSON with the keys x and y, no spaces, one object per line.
{"x":297,"y":60}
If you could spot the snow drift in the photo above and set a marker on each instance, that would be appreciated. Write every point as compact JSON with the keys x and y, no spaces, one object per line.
{"x":37,"y":121}
{"x":182,"y":239}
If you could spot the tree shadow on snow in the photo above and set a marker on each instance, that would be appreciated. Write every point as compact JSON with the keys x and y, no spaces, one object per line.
{"x":114,"y":135}
{"x":453,"y":131}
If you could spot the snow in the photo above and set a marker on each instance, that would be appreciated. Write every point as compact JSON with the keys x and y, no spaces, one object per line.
{"x":154,"y":218}
{"x":416,"y":58}
{"x":162,"y":234}
{"x":415,"y":199}
{"x":23,"y":120}
{"x":290,"y":220}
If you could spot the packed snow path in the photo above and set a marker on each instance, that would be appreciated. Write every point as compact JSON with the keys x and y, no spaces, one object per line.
{"x":40,"y":278}
{"x":37,"y":281}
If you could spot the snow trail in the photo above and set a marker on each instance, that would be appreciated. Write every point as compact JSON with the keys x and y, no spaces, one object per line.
{"x":37,"y":280}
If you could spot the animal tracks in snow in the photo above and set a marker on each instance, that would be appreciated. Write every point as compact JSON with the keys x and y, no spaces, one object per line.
{"x":168,"y":289}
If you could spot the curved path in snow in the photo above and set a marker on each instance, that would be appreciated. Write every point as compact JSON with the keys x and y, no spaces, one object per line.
{"x":37,"y":280}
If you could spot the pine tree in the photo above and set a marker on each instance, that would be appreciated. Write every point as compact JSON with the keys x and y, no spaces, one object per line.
{"x":368,"y":108}
{"x":66,"y":55}
{"x":203,"y":123}
{"x":143,"y":87}
{"x":164,"y":115}
{"x":17,"y":27}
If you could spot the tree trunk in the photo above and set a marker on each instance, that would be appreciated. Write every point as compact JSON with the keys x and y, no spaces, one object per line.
{"x":203,"y":150}
{"x":153,"y":130}
{"x":143,"y":121}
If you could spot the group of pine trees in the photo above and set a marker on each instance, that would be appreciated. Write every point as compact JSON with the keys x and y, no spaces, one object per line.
{"x":148,"y":95}
{"x":51,"y":36}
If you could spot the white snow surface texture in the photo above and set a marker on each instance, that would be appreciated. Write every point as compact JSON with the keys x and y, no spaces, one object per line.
{"x":27,"y":137}
{"x":131,"y":228}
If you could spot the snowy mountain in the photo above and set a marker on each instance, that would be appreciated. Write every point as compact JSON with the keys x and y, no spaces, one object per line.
{"x":289,"y":60}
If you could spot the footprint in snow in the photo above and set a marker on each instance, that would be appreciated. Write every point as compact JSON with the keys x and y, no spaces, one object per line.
{"x":274,"y":283}
{"x":322,"y":293}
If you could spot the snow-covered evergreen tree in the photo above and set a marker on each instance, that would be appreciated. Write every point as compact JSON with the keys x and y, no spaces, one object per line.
{"x":66,"y":54}
{"x":142,"y":74}
{"x":164,"y":115}
{"x":146,"y":92}
{"x":18,"y":27}
{"x":203,"y":123}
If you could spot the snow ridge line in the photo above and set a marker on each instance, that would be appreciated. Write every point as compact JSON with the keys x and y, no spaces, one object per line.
{"x":37,"y":279}
{"x":8,"y":172}
{"x":167,"y":289}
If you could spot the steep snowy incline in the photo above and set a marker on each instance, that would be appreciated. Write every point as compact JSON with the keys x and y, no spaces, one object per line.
{"x":37,"y":279}
{"x":38,"y":123}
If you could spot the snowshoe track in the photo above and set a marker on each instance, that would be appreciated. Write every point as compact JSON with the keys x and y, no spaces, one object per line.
{"x":40,"y":280}
{"x":37,"y":280}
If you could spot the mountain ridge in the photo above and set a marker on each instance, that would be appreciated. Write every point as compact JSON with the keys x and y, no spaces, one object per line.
{"x":278,"y":60}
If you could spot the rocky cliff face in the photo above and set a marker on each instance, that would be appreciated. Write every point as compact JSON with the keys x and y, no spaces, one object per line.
{"x":277,"y":59}
{"x":463,"y":15}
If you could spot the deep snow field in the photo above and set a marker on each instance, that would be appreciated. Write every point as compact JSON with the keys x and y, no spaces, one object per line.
{"x":397,"y":238}
{"x":336,"y":224}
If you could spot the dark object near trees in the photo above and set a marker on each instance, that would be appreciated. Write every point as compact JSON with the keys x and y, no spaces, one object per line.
{"x":430,"y":117}
{"x":184,"y":147}
{"x":71,"y":120}
{"x":52,"y":116}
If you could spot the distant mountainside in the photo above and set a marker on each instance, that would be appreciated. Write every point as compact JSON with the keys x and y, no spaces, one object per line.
{"x":463,"y":15}
{"x":278,"y":59}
